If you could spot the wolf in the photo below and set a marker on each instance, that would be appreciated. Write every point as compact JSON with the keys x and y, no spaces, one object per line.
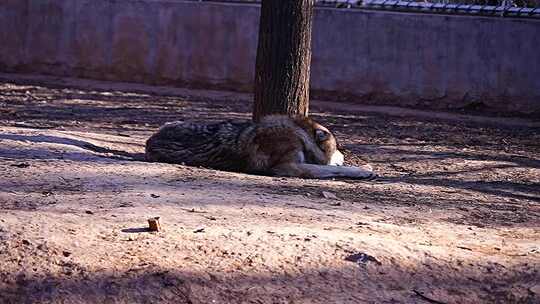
{"x":277,"y":145}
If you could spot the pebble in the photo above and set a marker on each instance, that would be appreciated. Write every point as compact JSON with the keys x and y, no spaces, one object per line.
{"x":329,"y":195}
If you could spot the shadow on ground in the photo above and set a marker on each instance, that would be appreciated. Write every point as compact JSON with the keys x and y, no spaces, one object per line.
{"x":112,"y":153}
{"x":358,"y":282}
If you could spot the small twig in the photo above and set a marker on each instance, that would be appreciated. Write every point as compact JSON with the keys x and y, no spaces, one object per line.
{"x":426,"y":298}
{"x":193,"y":210}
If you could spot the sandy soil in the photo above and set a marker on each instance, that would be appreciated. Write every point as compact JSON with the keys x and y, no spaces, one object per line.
{"x":454,"y":218}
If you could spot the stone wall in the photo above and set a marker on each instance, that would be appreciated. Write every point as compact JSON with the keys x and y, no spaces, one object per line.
{"x":378,"y":57}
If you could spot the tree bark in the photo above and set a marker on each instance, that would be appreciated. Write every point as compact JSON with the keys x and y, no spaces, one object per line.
{"x":283,"y":58}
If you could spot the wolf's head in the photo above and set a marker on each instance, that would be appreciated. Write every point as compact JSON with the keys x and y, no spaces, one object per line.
{"x":326,"y":142}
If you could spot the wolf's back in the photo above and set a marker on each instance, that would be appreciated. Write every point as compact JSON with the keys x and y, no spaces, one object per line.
{"x":215,"y":145}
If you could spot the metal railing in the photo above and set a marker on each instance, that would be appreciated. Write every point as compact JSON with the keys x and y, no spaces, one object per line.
{"x":495,"y":8}
{"x":452,"y":8}
{"x":501,"y":3}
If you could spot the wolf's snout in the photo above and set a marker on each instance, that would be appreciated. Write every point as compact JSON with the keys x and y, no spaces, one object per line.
{"x":336,"y":159}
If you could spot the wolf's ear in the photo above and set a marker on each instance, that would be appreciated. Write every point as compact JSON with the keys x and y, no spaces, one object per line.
{"x":321,"y":135}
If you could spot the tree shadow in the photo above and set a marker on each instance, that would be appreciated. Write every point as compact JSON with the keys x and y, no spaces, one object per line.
{"x":388,"y":281}
{"x":72,"y":105}
{"x":421,"y":155}
{"x":503,"y":188}
{"x":506,"y":189}
{"x":116,"y":154}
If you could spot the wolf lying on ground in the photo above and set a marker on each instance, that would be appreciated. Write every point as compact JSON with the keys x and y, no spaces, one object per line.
{"x":278,"y":145}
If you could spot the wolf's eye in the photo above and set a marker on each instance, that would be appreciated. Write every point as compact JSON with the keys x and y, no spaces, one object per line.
{"x":321,"y":135}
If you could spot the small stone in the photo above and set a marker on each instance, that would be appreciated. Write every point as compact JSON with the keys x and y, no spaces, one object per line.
{"x":154,"y":195}
{"x":362,"y":258}
{"x":199,"y":230}
{"x":66,"y":253}
{"x":21,"y":165}
{"x":89,"y":212}
{"x":26,"y":242}
{"x":329,"y":195}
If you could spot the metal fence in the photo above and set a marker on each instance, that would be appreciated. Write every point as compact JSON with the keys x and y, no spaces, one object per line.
{"x":502,"y":3}
{"x":495,"y":8}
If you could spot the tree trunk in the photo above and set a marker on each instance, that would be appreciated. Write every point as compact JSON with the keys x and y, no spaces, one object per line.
{"x":283,"y":58}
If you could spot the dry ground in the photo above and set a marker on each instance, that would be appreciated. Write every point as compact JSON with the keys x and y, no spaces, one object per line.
{"x":455,"y":217}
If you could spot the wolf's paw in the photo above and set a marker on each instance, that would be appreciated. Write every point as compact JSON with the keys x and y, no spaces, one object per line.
{"x":372,"y":175}
{"x":369,"y":175}
{"x":364,"y":172}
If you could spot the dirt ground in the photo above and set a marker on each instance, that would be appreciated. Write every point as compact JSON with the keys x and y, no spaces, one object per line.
{"x":454,"y":217}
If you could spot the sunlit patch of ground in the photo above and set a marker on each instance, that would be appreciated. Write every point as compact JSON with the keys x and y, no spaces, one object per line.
{"x":454,"y":218}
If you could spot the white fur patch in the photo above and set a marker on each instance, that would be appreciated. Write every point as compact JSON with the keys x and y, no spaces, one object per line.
{"x":336,"y":159}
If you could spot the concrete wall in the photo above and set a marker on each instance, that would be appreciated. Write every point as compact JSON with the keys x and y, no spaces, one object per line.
{"x":434,"y":61}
